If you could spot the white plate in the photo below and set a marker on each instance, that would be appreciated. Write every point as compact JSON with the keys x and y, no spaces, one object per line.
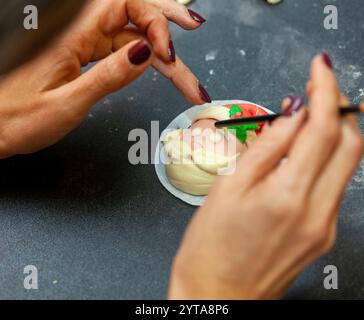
{"x":184,"y":120}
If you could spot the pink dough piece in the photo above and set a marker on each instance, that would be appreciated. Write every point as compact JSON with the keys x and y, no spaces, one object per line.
{"x":212,"y":139}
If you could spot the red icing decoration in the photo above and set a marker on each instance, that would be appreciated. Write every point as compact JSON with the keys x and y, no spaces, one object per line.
{"x":249,"y":110}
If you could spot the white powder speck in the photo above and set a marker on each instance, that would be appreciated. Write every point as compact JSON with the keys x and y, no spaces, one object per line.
{"x":211,"y":56}
{"x":90,"y":115}
{"x":247,"y":13}
{"x":55,"y":281}
{"x":350,"y":77}
{"x":357,"y":75}
{"x":274,"y":1}
{"x":130,"y":98}
{"x":106,"y":101}
{"x":212,"y":72}
{"x":237,"y":32}
{"x":242,"y":52}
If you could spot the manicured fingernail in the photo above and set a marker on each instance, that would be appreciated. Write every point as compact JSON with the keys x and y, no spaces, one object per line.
{"x":195,"y":16}
{"x":327,"y":60}
{"x":203,"y":94}
{"x":296,"y":103}
{"x":139,"y":53}
{"x":171,"y":51}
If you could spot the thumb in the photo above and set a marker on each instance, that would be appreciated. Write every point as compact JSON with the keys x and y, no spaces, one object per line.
{"x":109,"y":75}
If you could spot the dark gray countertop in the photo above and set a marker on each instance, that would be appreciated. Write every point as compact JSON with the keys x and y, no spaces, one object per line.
{"x":97,"y":227}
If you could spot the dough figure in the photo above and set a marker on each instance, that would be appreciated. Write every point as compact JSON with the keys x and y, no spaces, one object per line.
{"x":195,"y":156}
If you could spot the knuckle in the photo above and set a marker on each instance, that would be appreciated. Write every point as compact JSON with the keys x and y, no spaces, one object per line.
{"x":331,"y":134}
{"x":134,"y":6}
{"x":293,"y":207}
{"x":330,"y":241}
{"x":356,"y":145}
{"x":328,"y":245}
{"x":70,"y":116}
{"x":105,"y":74}
{"x":291,"y":188}
{"x":317,"y":236}
{"x":285,"y":208}
{"x":173,"y":75}
{"x":65,"y":64}
{"x":73,"y":118}
{"x":277,"y":213}
{"x":299,"y":205}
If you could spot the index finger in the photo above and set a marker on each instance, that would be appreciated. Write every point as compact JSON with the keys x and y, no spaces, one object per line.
{"x":178,"y":73}
{"x":153,"y":23}
{"x":116,"y":14}
{"x":317,"y":141}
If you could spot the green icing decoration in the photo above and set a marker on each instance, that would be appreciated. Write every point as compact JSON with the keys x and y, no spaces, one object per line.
{"x":234,"y":110}
{"x":240,"y":131}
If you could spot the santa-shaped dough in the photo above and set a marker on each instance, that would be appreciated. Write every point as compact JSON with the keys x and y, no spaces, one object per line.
{"x":195,"y":156}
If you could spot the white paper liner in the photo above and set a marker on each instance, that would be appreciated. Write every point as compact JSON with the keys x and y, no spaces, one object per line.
{"x":184,"y":121}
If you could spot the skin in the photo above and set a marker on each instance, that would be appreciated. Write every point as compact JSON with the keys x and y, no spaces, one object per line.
{"x":259,"y":228}
{"x":45,"y":99}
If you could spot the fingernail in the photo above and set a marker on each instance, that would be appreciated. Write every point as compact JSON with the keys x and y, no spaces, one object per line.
{"x":195,"y":16}
{"x":203,"y":94}
{"x":327,"y":60}
{"x":171,"y":51}
{"x":296,"y":103}
{"x":139,"y":53}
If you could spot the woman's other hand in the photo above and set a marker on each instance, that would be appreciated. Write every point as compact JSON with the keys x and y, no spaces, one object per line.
{"x":260,"y":227}
{"x":45,"y":99}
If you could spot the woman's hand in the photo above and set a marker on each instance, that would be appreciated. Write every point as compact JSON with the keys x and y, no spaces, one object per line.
{"x":277,"y":213}
{"x":45,"y":99}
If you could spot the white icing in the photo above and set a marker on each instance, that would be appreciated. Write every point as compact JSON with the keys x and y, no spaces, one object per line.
{"x":215,"y":137}
{"x":196,"y":132}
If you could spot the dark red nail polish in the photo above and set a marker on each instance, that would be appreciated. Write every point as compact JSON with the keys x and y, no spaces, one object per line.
{"x":296,"y":103}
{"x":171,"y":51}
{"x":327,"y":60}
{"x":195,"y":16}
{"x":139,"y":53}
{"x":203,"y":94}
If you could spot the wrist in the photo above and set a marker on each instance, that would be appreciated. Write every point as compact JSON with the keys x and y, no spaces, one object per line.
{"x":192,"y":281}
